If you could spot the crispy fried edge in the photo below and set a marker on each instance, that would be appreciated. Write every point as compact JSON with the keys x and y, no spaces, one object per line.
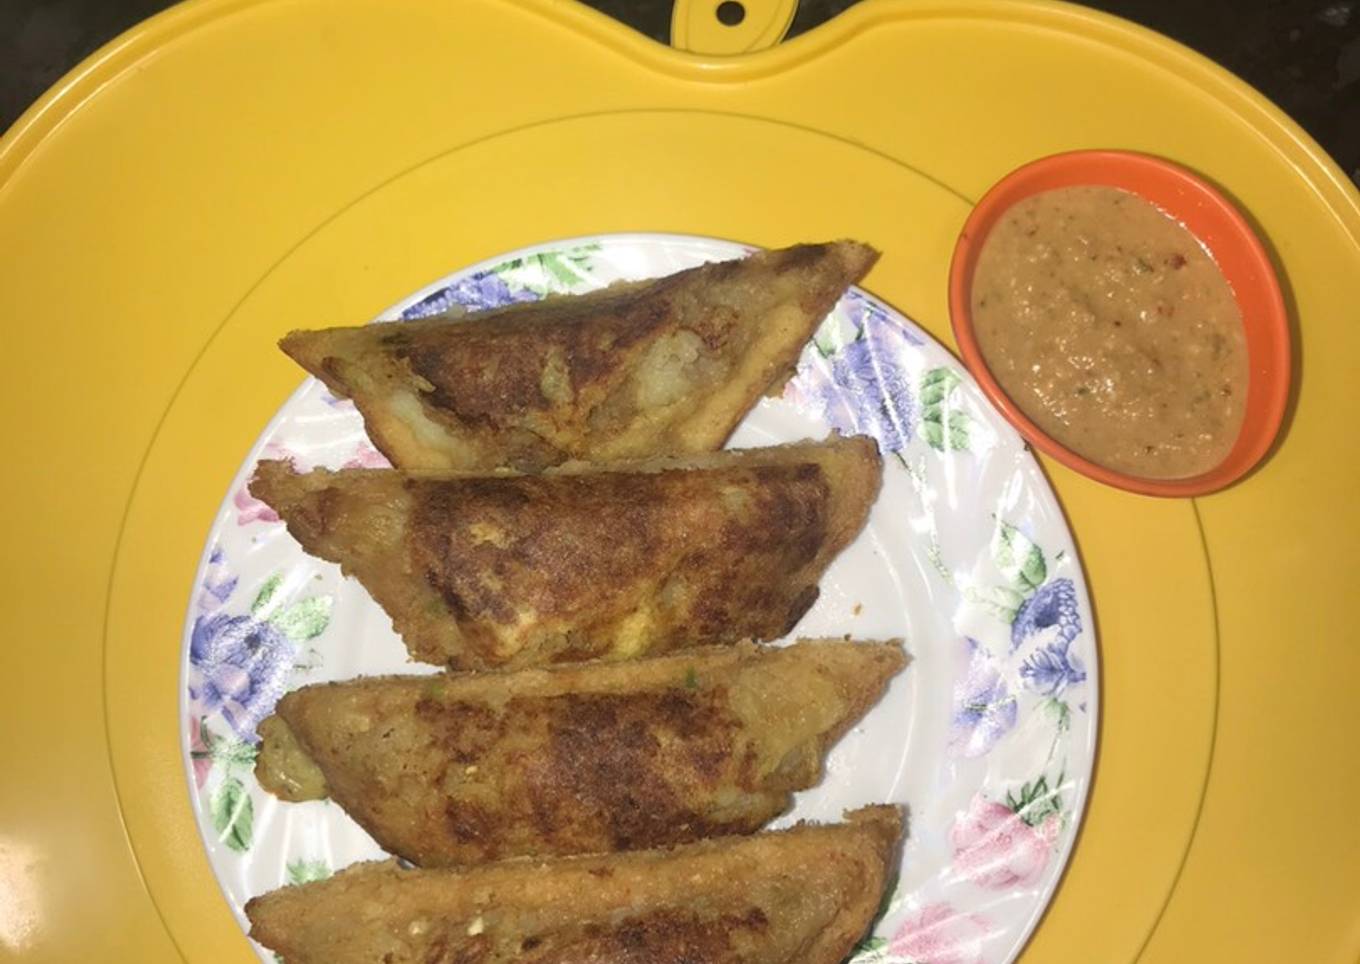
{"x":871,"y":835}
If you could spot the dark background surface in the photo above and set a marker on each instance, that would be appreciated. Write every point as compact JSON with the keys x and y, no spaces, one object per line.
{"x":1303,"y":54}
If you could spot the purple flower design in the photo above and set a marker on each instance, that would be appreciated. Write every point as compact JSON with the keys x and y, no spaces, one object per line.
{"x":1053,"y":604}
{"x":869,"y":392}
{"x":984,"y":709}
{"x":476,"y":292}
{"x":1051,"y":614}
{"x":218,"y":582}
{"x":238,"y":665}
{"x":1051,"y":669}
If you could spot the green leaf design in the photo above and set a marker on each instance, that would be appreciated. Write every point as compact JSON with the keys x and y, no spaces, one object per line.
{"x":1062,"y":713}
{"x":561,"y":267}
{"x":1036,"y":802}
{"x":548,"y":271}
{"x":305,"y":871}
{"x":233,"y":814}
{"x":233,"y":753}
{"x":305,"y":619}
{"x":1001,"y":602}
{"x":944,"y":427}
{"x":952,"y":436}
{"x":225,"y":750}
{"x":1021,"y":562}
{"x":937,"y":384}
{"x":261,"y":605}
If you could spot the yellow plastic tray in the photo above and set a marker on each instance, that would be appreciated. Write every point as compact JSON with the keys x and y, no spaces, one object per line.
{"x":232,"y":168}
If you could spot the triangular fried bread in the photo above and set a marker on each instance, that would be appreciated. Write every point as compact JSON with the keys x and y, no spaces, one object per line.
{"x":668,"y":366}
{"x":798,"y":896}
{"x":464,"y":768}
{"x":587,"y":562}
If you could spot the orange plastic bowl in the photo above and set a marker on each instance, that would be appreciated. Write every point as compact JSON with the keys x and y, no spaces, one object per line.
{"x":1240,"y":256}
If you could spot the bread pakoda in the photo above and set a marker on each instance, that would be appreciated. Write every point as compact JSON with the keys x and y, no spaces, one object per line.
{"x":464,"y":768}
{"x":798,"y":896}
{"x":659,"y":367}
{"x":587,"y":562}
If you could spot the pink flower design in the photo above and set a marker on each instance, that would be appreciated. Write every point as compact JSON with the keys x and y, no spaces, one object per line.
{"x":367,"y":457}
{"x":994,"y":847}
{"x":939,"y":934}
{"x":198,"y":752}
{"x":250,"y":509}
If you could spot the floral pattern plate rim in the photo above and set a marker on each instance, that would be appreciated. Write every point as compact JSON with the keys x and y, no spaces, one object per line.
{"x":988,"y":736}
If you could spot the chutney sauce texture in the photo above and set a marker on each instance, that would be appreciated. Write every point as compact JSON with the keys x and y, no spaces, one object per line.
{"x":1111,"y":327}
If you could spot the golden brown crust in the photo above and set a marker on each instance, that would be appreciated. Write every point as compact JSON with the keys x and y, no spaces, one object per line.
{"x":457,"y":769}
{"x":610,"y":561}
{"x":800,"y":896}
{"x":669,"y":365}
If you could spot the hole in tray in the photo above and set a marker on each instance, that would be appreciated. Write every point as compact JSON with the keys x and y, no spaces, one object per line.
{"x":731,"y":13}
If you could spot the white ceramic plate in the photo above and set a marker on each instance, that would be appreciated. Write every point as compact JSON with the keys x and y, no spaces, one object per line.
{"x":988,"y":736}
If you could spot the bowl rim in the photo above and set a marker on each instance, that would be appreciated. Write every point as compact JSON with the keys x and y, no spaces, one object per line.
{"x":1256,"y":436}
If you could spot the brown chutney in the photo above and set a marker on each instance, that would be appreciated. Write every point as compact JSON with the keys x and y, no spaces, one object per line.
{"x":1112,"y":328}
